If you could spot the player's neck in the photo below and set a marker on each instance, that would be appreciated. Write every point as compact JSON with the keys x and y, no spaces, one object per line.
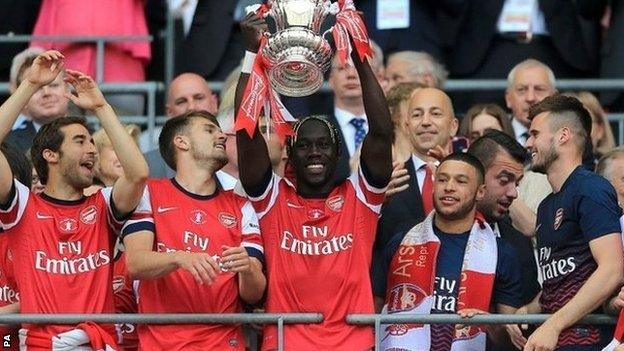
{"x":560,"y":170}
{"x":199,"y":182}
{"x":454,"y":226}
{"x":230,"y":169}
{"x":62,"y":191}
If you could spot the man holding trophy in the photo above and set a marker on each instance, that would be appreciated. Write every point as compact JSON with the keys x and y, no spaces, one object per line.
{"x":318,"y":235}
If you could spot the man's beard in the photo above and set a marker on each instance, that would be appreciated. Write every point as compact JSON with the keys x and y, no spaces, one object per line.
{"x":547,"y":158}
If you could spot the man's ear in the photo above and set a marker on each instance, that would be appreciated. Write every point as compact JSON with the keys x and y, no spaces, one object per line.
{"x":50,"y":156}
{"x":181,"y":142}
{"x":480,"y":192}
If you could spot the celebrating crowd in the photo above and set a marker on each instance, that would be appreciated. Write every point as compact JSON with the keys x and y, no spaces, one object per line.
{"x":390,"y":205}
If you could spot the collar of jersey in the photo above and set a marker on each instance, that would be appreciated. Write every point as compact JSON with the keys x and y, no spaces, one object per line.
{"x":62,"y":202}
{"x":195,"y":196}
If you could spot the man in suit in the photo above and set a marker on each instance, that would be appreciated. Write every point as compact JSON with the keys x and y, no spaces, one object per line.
{"x":528,"y":83}
{"x":348,"y":113}
{"x":46,"y":105}
{"x":431,"y":124}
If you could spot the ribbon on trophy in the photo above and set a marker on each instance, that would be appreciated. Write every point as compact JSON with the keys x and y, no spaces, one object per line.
{"x":349,"y":24}
{"x":259,"y":95}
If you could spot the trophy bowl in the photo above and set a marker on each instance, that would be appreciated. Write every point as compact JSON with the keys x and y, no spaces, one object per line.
{"x":296,"y":55}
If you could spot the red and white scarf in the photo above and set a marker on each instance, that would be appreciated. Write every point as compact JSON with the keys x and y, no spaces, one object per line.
{"x":618,"y":336}
{"x":411,"y":284}
{"x":86,"y":336}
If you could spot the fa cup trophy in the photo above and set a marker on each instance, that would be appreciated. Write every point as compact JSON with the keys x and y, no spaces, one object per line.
{"x":297,"y":55}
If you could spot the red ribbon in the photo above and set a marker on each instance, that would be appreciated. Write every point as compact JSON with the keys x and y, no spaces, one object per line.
{"x":349,"y":24}
{"x":259,"y":95}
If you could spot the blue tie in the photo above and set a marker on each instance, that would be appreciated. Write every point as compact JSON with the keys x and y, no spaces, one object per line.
{"x":360,"y":132}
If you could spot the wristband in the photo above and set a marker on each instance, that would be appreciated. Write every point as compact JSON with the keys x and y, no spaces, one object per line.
{"x":248,"y":62}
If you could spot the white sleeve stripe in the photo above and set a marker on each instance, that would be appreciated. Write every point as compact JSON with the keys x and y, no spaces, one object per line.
{"x":249,"y":223}
{"x":253,"y":246}
{"x":368,"y":186}
{"x":360,"y":195}
{"x":21,"y":190}
{"x":275,"y":181}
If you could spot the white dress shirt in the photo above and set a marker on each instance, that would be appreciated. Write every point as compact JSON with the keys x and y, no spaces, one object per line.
{"x":348,"y":130}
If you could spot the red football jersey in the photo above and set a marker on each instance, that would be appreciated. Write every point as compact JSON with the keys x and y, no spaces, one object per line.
{"x":8,"y":294}
{"x":185,"y":221}
{"x":124,"y":290}
{"x":318,"y":256}
{"x":63,"y":252}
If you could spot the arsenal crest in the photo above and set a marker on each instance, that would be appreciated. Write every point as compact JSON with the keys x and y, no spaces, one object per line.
{"x":227,"y":219}
{"x":335,"y":203}
{"x":118,"y":283}
{"x":558,"y":218}
{"x":88,"y":215}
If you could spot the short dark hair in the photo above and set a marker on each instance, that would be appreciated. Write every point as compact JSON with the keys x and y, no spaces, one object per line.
{"x":50,"y":137}
{"x":175,"y":126}
{"x":486,"y":147}
{"x":569,"y":111}
{"x":18,"y":162}
{"x":469,"y":159}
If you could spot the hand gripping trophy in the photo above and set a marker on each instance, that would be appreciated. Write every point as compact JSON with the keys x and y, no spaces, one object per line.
{"x":292,"y":59}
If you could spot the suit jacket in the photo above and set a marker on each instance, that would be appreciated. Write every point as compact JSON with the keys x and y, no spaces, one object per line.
{"x":401,"y":212}
{"x":208,"y":36}
{"x":22,"y":138}
{"x":574,"y":39}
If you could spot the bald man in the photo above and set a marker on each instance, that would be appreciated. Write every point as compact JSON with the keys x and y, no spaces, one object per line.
{"x":431,"y":124}
{"x":188,"y":91}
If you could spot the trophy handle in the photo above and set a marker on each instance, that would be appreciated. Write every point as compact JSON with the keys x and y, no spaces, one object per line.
{"x":326,"y":32}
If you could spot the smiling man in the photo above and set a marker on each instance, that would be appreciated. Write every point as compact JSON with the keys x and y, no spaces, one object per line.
{"x":578,"y":229}
{"x":452,"y":250}
{"x":318,"y":234}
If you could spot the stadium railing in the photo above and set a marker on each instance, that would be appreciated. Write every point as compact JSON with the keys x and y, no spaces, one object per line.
{"x":378,"y":319}
{"x":180,"y":318}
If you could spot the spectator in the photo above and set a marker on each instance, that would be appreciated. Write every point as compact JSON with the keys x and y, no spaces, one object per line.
{"x":413,"y":66}
{"x":46,"y":105}
{"x":348,"y":113}
{"x":108,"y":168}
{"x":601,"y":134}
{"x":398,"y":98}
{"x":483,"y":117}
{"x":456,"y":237}
{"x":528,"y":83}
{"x":222,"y":237}
{"x":611,"y":166}
{"x":307,"y":217}
{"x":48,"y":224}
{"x":578,"y":229}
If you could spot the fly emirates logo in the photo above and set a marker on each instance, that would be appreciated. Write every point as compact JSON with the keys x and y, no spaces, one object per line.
{"x":74,"y":265}
{"x":316,"y":241}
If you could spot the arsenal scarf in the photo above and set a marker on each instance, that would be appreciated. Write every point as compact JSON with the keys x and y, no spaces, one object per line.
{"x":411,"y":285}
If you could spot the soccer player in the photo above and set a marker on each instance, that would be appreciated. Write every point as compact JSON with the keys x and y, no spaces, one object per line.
{"x":318,"y":235}
{"x":578,"y":229}
{"x":204,"y":252}
{"x":61,"y":241}
{"x":425,"y":265}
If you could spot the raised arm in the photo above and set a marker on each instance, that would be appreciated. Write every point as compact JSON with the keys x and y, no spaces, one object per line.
{"x":254,"y":164}
{"x":128,"y":188}
{"x":376,"y":153}
{"x":45,"y":68}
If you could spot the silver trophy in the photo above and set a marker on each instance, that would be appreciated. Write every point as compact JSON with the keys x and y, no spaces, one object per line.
{"x":296,"y":55}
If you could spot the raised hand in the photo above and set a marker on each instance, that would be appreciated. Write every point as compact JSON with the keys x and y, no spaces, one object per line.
{"x":45,"y":68}
{"x":253,"y":27}
{"x":399,"y":180}
{"x":88,"y":96}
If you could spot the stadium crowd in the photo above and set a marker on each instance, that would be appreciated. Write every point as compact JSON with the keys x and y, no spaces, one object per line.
{"x":389,"y":203}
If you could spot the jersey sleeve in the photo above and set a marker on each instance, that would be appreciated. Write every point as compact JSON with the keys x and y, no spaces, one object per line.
{"x":371,"y":196}
{"x":508,"y":281}
{"x":139,"y":219}
{"x":599,"y":212}
{"x":11,"y":212}
{"x":263,"y":203}
{"x":251,"y":239}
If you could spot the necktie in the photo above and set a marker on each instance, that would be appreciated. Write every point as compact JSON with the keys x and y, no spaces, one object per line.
{"x":427,"y":190}
{"x":360,"y":133}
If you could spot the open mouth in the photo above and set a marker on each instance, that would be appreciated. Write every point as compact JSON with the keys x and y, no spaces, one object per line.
{"x":88,"y":165}
{"x":315,"y":168}
{"x":220,"y":146}
{"x":448,"y":200}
